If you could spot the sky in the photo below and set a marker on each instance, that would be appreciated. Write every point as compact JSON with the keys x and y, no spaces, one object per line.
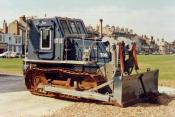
{"x":151,"y":17}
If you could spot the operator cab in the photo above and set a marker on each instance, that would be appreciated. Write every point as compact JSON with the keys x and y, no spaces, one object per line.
{"x":63,"y":39}
{"x":47,"y":35}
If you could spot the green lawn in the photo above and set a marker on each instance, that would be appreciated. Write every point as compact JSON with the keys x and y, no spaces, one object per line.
{"x":11,"y":65}
{"x":165,"y":63}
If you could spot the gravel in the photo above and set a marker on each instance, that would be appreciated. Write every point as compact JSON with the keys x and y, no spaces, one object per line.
{"x":165,"y":108}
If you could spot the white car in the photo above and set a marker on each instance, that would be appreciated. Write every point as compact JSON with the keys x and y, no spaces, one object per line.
{"x":9,"y":54}
{"x":13,"y":54}
{"x":4,"y":54}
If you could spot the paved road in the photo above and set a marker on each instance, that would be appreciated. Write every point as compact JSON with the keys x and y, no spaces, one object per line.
{"x":11,"y":83}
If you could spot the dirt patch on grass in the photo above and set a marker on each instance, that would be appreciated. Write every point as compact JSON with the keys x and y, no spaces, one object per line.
{"x":11,"y":73}
{"x":168,"y":83}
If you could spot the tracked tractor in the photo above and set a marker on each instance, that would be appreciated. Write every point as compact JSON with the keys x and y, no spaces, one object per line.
{"x":63,"y":61}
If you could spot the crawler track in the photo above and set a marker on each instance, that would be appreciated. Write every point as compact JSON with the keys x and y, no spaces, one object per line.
{"x":84,"y":81}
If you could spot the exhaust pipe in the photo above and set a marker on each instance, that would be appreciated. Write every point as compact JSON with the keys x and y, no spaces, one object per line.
{"x":101,"y":28}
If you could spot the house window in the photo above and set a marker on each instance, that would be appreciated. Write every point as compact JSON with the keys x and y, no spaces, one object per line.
{"x":1,"y":38}
{"x":10,"y":47}
{"x":45,"y":40}
{"x":20,"y":49}
{"x":18,"y":40}
{"x":14,"y":49}
{"x":9,"y":40}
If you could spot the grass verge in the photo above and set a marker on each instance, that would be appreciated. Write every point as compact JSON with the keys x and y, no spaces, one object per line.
{"x":11,"y":66}
{"x":165,"y":64}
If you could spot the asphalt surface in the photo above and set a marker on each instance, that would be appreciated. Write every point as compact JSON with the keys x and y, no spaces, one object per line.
{"x":10,"y":83}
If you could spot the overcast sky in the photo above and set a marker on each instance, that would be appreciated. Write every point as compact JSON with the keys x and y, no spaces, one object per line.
{"x":151,"y":17}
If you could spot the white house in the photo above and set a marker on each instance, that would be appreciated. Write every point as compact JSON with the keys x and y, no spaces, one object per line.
{"x":164,"y":47}
{"x":14,"y":43}
{"x":3,"y":45}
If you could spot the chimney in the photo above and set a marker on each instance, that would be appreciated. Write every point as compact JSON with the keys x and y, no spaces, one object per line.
{"x":22,"y":18}
{"x":5,"y":28}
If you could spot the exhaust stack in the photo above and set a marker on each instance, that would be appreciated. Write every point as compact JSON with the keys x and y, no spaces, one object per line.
{"x":101,"y":28}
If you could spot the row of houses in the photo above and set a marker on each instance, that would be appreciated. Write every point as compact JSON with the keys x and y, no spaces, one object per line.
{"x":145,"y":44}
{"x":13,"y":36}
{"x":152,"y":46}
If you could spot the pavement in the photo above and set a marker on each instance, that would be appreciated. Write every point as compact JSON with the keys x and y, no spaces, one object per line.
{"x":24,"y":104}
{"x":16,"y":101}
{"x":167,"y":90}
{"x":11,"y":83}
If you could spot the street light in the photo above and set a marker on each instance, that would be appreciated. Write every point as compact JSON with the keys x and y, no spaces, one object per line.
{"x":101,"y":28}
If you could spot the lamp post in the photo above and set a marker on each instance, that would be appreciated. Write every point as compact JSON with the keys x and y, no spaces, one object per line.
{"x":101,"y":28}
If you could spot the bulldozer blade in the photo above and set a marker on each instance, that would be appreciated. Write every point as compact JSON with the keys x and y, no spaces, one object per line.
{"x":132,"y":89}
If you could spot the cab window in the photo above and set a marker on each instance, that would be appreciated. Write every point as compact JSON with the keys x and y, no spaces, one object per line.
{"x":73,"y":27}
{"x":80,"y":27}
{"x":45,"y":40}
{"x":65,"y":27}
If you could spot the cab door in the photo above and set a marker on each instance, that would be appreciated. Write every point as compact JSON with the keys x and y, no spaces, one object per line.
{"x":46,"y":43}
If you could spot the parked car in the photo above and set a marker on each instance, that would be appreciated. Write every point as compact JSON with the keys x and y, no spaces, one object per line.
{"x":155,"y":53}
{"x":9,"y":54}
{"x":13,"y":54}
{"x":4,"y":54}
